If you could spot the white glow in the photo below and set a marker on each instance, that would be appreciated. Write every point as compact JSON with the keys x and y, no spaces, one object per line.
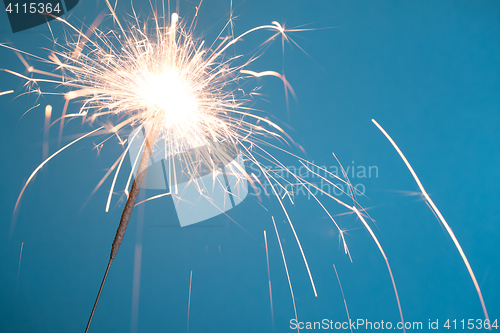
{"x":169,"y":92}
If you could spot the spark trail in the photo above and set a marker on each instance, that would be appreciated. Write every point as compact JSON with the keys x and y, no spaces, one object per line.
{"x":343,"y":296}
{"x":286,"y":270}
{"x":269,"y":279}
{"x":189,"y":298}
{"x":19,"y":266}
{"x":436,"y":211}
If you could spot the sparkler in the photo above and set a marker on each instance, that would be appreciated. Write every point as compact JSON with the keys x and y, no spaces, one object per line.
{"x":178,"y":90}
{"x":174,"y":88}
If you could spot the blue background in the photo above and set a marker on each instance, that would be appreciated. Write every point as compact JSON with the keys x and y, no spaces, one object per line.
{"x":427,"y":71}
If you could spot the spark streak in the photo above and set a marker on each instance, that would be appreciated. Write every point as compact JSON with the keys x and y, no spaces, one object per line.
{"x":386,"y":262}
{"x":436,"y":211}
{"x":343,"y":296}
{"x":46,"y":126}
{"x":6,"y":92}
{"x":269,"y":279}
{"x":189,"y":297}
{"x":19,"y":266}
{"x":286,"y":270}
{"x":14,"y":216}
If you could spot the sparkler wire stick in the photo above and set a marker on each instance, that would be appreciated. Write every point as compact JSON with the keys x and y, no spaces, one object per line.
{"x":129,"y":206}
{"x":435,"y":210}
